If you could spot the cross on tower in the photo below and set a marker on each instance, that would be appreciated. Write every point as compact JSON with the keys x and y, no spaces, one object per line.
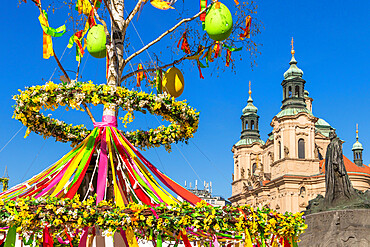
{"x":292,"y":44}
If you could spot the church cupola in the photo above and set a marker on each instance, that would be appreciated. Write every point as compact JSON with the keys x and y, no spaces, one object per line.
{"x":357,"y":150}
{"x":250,"y":132}
{"x":293,"y":86}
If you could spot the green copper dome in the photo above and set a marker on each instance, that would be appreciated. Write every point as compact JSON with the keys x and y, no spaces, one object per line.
{"x":357,"y":146}
{"x":250,"y":108}
{"x":249,"y":141}
{"x":292,"y":112}
{"x":293,"y":70}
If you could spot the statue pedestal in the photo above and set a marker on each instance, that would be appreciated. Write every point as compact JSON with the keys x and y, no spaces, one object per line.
{"x":337,"y":228}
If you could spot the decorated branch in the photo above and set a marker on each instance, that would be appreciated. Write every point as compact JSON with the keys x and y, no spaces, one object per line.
{"x":203,"y":223}
{"x":29,"y":103}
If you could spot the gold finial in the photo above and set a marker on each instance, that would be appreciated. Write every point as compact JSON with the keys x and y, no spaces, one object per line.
{"x":292,"y":43}
{"x":357,"y":132}
{"x":250,"y":90}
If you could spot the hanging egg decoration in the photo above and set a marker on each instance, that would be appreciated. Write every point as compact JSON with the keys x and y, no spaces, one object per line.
{"x":218,"y":22}
{"x":96,"y":41}
{"x":173,"y":82}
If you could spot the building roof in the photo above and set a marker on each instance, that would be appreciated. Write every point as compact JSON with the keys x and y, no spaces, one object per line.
{"x":322,"y":122}
{"x":350,"y":166}
{"x":250,"y":108}
{"x":249,"y":141}
{"x":323,"y":127}
{"x":357,"y":146}
{"x":293,"y":112}
{"x":293,"y":70}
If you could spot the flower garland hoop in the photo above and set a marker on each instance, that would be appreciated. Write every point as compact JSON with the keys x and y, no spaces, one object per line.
{"x":183,"y":118}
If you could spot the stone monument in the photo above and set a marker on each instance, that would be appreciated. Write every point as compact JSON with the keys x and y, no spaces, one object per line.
{"x":342,"y":217}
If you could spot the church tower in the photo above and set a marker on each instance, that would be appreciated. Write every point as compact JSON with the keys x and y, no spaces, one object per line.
{"x":293,"y":86}
{"x":357,"y":150}
{"x":250,"y":132}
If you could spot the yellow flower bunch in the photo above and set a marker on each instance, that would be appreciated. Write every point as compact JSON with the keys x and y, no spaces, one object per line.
{"x":30,"y":102}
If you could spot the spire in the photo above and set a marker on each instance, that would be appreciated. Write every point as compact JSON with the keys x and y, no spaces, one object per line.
{"x":293,"y":87}
{"x":250,"y":108}
{"x":357,"y":150}
{"x":250,"y":132}
{"x":293,"y":70}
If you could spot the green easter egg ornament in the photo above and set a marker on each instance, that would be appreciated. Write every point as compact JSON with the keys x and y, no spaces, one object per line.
{"x":96,"y":41}
{"x":218,"y":22}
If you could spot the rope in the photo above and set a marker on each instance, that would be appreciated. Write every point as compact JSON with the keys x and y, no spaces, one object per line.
{"x":11,"y":138}
{"x":60,"y":61}
{"x":222,"y":174}
{"x":33,"y":161}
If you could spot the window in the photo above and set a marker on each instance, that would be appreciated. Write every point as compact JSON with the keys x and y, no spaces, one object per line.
{"x":252,"y":124}
{"x":296,"y":91}
{"x":284,"y":92}
{"x":290,"y":92}
{"x":254,"y":168}
{"x":301,"y":153}
{"x":302,"y":191}
{"x":279,"y":143}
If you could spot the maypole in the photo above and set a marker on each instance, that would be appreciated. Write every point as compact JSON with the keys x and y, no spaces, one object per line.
{"x":131,"y":198}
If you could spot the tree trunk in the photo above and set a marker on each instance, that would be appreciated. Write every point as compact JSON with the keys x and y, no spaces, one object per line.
{"x":115,"y":49}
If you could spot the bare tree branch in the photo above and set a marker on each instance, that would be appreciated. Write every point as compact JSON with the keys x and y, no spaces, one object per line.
{"x":134,"y":11}
{"x":110,"y":12}
{"x":164,"y":34}
{"x":178,"y":61}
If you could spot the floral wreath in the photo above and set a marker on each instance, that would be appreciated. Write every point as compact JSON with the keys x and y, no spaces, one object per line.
{"x":184,"y":119}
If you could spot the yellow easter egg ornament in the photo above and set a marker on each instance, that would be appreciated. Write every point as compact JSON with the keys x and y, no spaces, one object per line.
{"x":173,"y":82}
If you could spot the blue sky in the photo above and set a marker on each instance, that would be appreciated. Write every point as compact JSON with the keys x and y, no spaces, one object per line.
{"x":332,"y":48}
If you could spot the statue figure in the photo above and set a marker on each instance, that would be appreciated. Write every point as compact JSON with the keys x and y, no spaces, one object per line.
{"x":286,"y":151}
{"x":338,"y":185}
{"x":339,"y":191}
{"x":242,"y":173}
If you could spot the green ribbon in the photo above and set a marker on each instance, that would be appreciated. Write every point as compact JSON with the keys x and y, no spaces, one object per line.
{"x":10,"y":237}
{"x":159,"y":240}
{"x":30,"y":240}
{"x":232,"y":48}
{"x":159,"y":81}
{"x":58,"y":32}
{"x":86,"y":155}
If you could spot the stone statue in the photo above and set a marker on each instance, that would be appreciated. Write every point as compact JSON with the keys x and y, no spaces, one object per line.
{"x":242,"y":173}
{"x":286,"y":151}
{"x":338,"y":185}
{"x":339,"y":193}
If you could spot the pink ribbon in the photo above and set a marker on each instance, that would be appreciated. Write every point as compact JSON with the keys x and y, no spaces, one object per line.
{"x":214,"y":240}
{"x":155,"y":213}
{"x":103,"y":169}
{"x":83,"y":238}
{"x":107,"y":121}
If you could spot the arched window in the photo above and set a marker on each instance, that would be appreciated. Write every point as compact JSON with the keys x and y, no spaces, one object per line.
{"x":254,"y":168}
{"x":356,"y":156}
{"x":296,"y":91}
{"x":302,"y":191}
{"x":284,"y":92}
{"x":279,"y":143}
{"x":252,"y":124}
{"x":301,"y":152}
{"x":246,"y":125}
{"x":290,"y":92}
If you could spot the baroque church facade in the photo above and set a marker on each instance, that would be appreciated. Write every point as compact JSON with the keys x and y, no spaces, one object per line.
{"x":287,"y":170}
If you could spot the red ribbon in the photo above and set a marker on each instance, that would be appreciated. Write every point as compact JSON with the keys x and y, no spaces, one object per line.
{"x":228,"y":58}
{"x":185,"y":45}
{"x":246,"y":30}
{"x":47,"y":238}
{"x":185,"y":239}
